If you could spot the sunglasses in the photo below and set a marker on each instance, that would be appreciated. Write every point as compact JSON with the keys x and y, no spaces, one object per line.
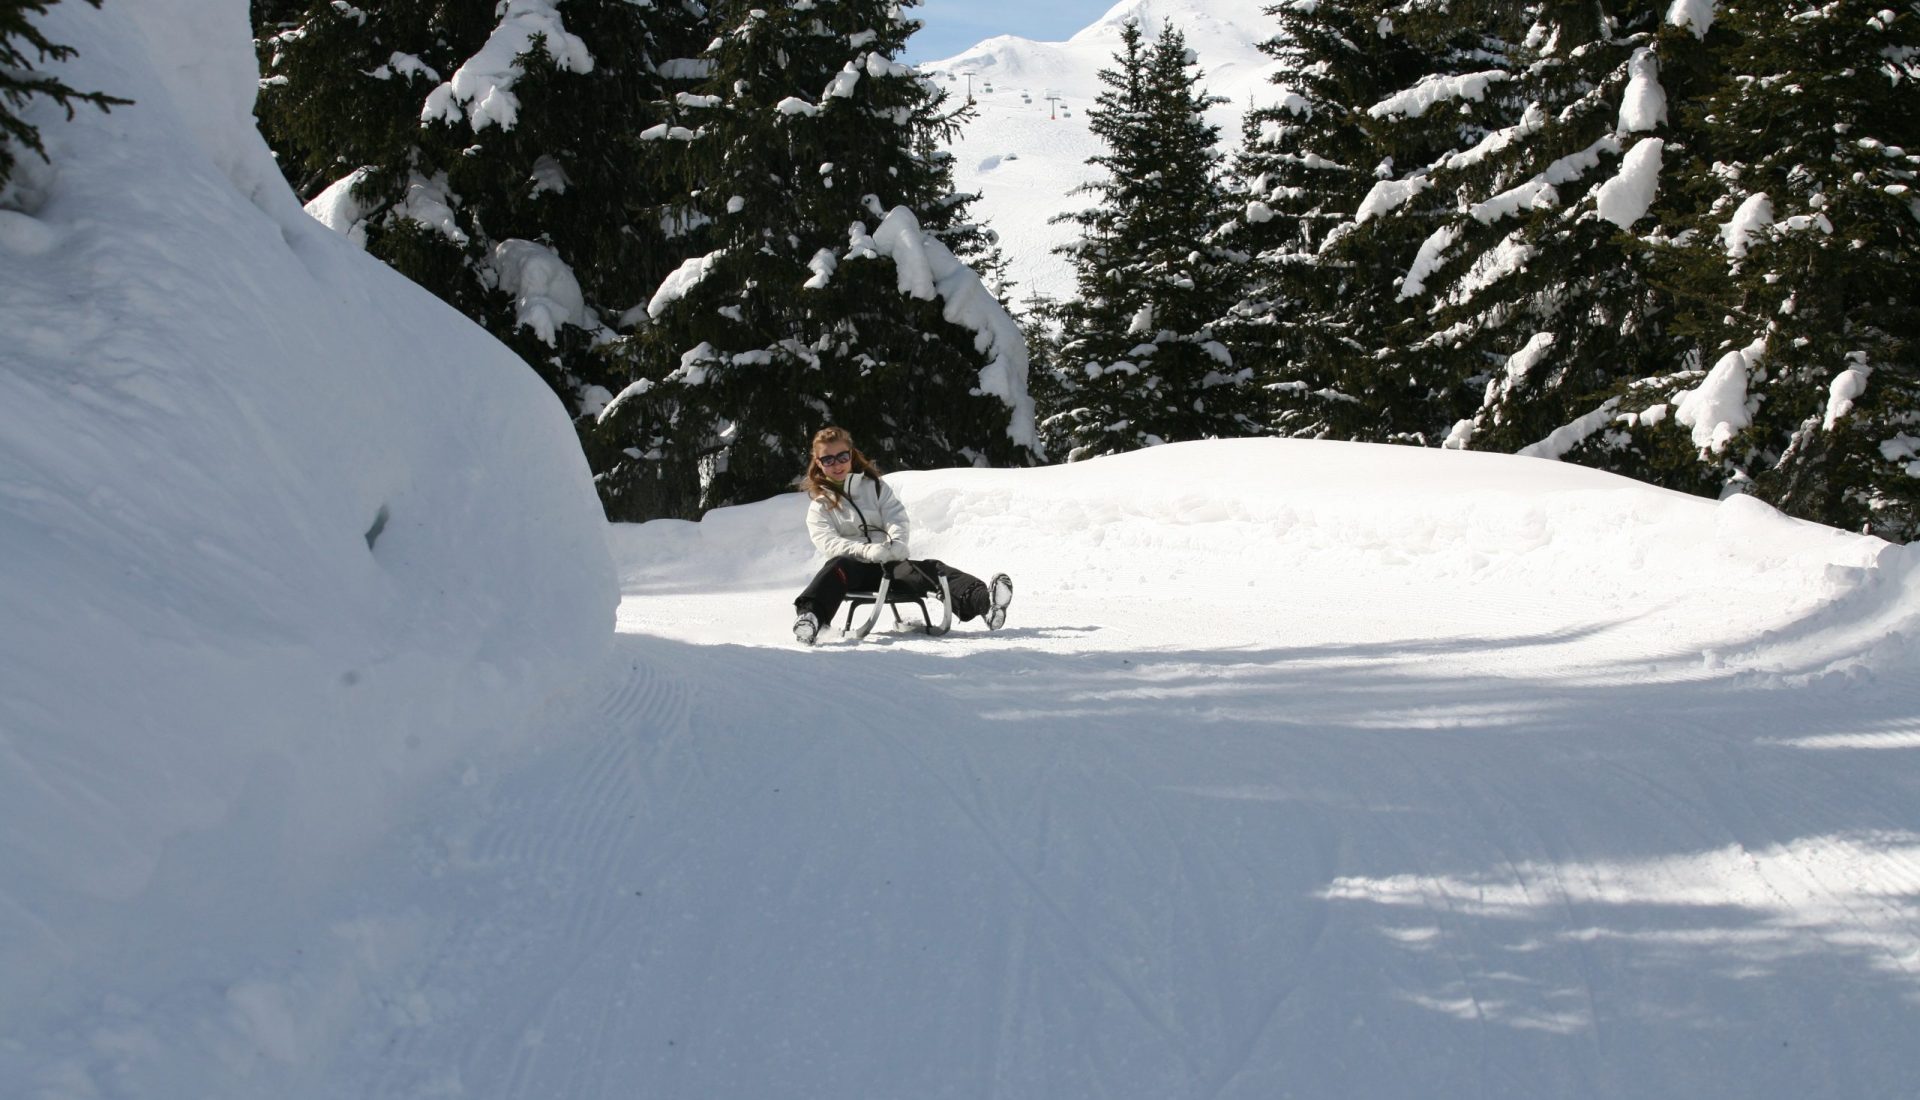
{"x":834,"y":459}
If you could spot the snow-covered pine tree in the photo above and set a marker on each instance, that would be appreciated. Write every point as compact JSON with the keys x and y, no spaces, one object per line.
{"x":1799,"y":276}
{"x":1537,"y":290}
{"x":20,"y":81}
{"x":826,"y":289}
{"x":1306,"y":161}
{"x":1138,"y":362}
{"x":1432,"y":67}
{"x":492,"y":152}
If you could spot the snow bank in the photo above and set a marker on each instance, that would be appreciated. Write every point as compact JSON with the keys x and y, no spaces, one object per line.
{"x":1349,"y":538}
{"x":284,"y":538}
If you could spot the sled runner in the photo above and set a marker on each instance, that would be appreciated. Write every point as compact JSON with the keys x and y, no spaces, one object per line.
{"x":891,"y":596}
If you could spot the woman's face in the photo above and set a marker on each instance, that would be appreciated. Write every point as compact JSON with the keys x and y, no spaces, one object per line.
{"x":834,"y":459}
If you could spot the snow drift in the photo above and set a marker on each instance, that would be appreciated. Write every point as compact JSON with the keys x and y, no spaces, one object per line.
{"x":283,"y":536}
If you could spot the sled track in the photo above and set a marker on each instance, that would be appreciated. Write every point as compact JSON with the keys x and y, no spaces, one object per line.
{"x":529,"y":902}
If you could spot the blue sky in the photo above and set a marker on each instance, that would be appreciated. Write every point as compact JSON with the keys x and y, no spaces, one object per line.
{"x":954,"y":25}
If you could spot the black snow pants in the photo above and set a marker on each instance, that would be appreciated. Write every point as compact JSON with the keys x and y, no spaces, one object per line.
{"x":847,"y":573}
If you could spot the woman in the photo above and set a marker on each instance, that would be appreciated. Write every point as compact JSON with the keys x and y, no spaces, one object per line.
{"x":860,"y":525}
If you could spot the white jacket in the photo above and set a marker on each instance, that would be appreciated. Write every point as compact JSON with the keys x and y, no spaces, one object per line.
{"x":870,"y":523}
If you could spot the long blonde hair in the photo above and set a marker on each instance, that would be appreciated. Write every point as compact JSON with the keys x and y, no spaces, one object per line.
{"x":815,"y":480}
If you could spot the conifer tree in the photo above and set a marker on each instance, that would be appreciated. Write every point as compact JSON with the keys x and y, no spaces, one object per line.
{"x":20,"y":81}
{"x":1138,"y":362}
{"x":1540,"y":297}
{"x":1801,"y":270}
{"x":1306,"y":162}
{"x":1458,"y":64}
{"x":492,"y":152}
{"x":1387,"y":89}
{"x":1777,"y":261}
{"x":826,"y":288}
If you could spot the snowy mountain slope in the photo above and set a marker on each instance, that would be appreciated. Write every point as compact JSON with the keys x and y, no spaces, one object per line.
{"x":1300,"y":769}
{"x":1024,"y":156}
{"x":281,"y":536}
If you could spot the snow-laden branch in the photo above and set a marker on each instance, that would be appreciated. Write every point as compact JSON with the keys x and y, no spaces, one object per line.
{"x":1717,"y":408}
{"x":480,"y":92}
{"x":926,"y":269}
{"x":1433,"y":90}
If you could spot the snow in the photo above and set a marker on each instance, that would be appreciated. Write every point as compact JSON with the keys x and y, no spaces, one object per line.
{"x":1535,"y":194}
{"x":329,"y":766}
{"x":1388,"y":195}
{"x":1540,"y":192}
{"x":1750,"y":221}
{"x":1437,"y":89}
{"x":546,"y":294}
{"x":1568,"y":436}
{"x":1532,"y":120}
{"x":429,"y":202}
{"x":926,"y":269}
{"x":480,"y":91}
{"x":1432,"y":254}
{"x":278,"y":537}
{"x":1845,"y":389}
{"x":1694,"y":15}
{"x":1643,"y":106}
{"x":680,"y":282}
{"x":1717,"y":408}
{"x":338,"y":210}
{"x":823,"y":265}
{"x":1628,"y":196}
{"x":1523,"y":362}
{"x":1511,"y":255}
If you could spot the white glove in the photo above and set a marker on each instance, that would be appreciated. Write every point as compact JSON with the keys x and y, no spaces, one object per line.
{"x":875,"y":552}
{"x":893,"y":551}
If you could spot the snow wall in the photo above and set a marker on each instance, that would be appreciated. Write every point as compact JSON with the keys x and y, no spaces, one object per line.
{"x":282,"y":537}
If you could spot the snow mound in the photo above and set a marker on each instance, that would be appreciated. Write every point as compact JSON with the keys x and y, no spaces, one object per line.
{"x":284,"y":537}
{"x":1323,"y":543}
